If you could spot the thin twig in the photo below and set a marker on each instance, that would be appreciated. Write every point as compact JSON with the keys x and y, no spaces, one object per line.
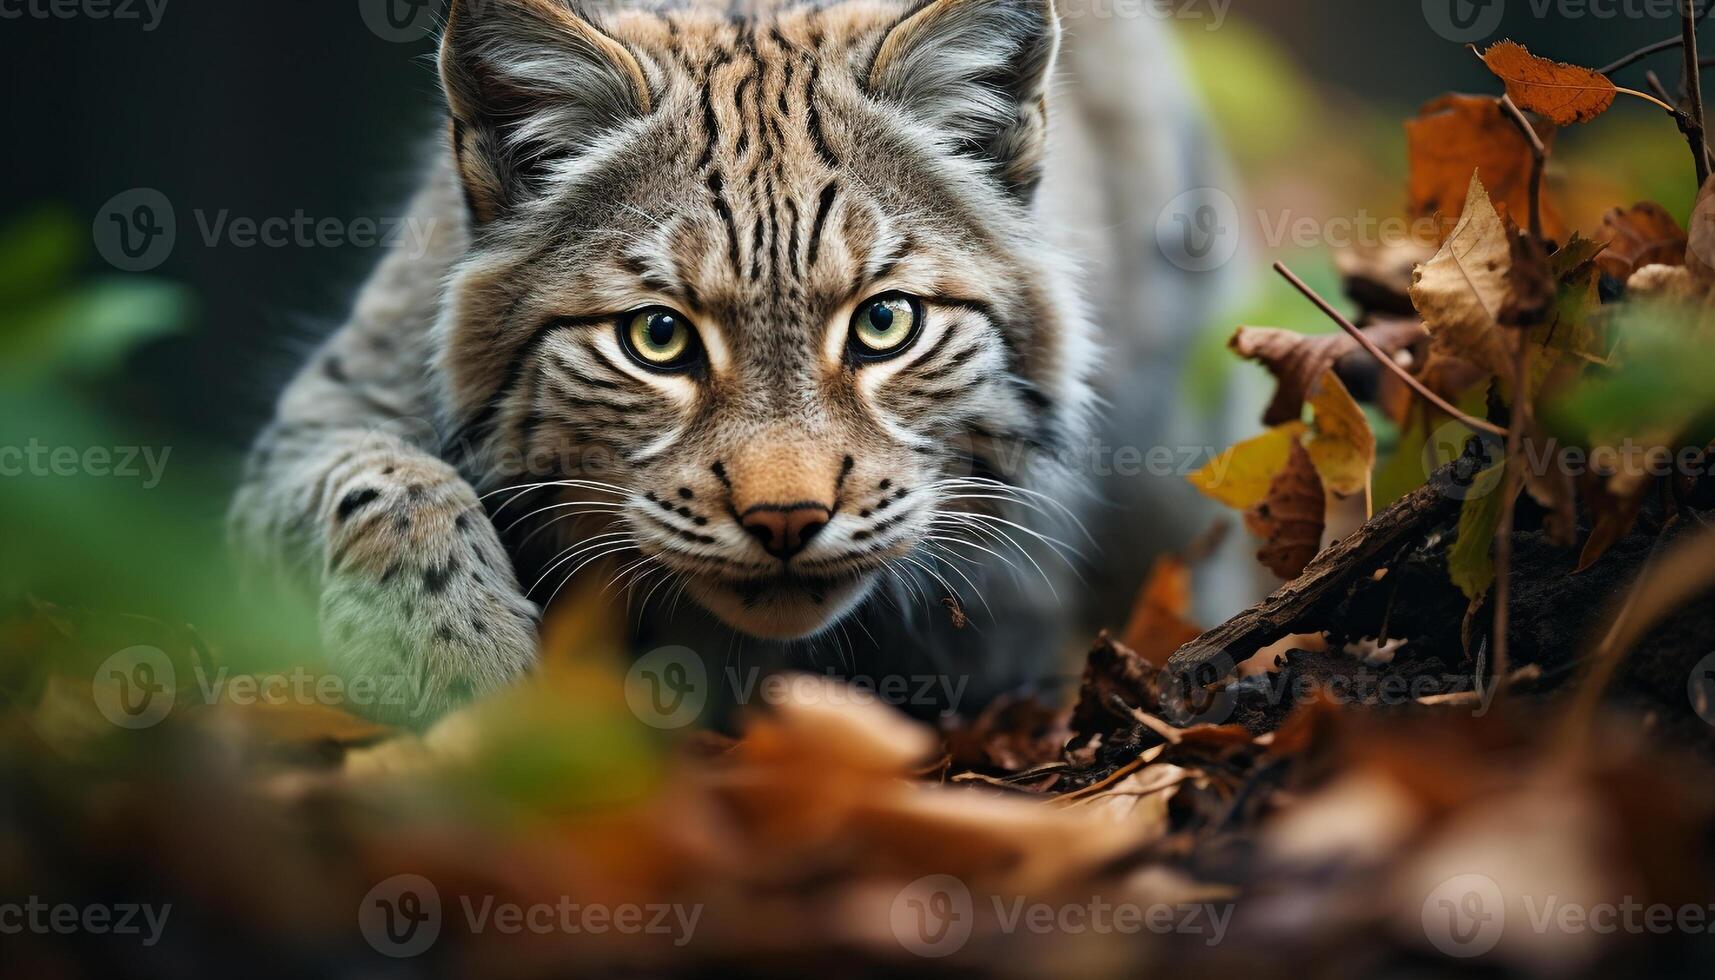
{"x":1538,"y":157}
{"x":1694,"y":91}
{"x":1512,"y":482}
{"x":1381,"y":355}
{"x":1649,"y":49}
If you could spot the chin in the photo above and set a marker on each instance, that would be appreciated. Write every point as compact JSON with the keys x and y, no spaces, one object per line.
{"x":786,"y":607}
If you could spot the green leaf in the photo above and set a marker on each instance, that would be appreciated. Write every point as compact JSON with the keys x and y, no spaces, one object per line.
{"x":1471,"y":560}
{"x":89,"y":331}
{"x":38,"y":254}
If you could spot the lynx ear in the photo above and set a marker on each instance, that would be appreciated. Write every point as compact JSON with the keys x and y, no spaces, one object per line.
{"x":978,"y":71}
{"x":530,"y":83}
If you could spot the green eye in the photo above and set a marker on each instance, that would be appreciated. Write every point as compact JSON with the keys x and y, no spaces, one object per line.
{"x":885,"y":326}
{"x":659,"y":338}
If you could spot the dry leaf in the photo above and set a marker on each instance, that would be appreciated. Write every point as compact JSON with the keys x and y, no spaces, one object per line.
{"x":1462,"y":291}
{"x":1456,"y":132}
{"x":1240,"y":476}
{"x":1700,"y":235}
{"x":1564,"y":93}
{"x":1291,"y":518}
{"x":1341,"y":444}
{"x":1644,"y":234}
{"x":1298,"y":361}
{"x":1160,"y":622}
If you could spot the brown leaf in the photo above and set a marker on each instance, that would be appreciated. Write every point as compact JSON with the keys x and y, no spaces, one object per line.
{"x":1116,"y":678}
{"x":1291,"y":519}
{"x":1700,"y":235}
{"x":1644,"y":234}
{"x":1160,"y":622}
{"x":1455,"y":133}
{"x":1564,"y":93}
{"x":1299,"y":361}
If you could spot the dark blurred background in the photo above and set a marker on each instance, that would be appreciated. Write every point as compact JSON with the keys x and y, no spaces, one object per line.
{"x":267,"y":110}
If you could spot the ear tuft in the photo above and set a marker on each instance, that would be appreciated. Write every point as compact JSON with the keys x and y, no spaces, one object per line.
{"x":977,"y":70}
{"x":531,"y":83}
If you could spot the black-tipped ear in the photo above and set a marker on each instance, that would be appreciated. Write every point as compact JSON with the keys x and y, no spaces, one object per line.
{"x":978,"y":71}
{"x":530,"y":83}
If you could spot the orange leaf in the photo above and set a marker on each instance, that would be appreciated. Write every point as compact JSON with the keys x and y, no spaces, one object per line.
{"x":1564,"y":93}
{"x":1453,"y":134}
{"x":1159,"y":623}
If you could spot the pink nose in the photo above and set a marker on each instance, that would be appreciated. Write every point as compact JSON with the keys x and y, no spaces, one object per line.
{"x":785,"y":531}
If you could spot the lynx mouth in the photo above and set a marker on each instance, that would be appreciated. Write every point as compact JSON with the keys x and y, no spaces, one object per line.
{"x":785,"y":606}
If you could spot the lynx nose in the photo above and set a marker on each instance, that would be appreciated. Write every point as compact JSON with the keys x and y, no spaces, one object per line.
{"x":785,"y":530}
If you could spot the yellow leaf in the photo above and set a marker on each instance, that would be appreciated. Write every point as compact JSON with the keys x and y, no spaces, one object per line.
{"x":1341,"y":443}
{"x":1240,"y":476}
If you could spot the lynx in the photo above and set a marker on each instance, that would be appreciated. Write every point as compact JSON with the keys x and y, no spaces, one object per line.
{"x":761,"y":315}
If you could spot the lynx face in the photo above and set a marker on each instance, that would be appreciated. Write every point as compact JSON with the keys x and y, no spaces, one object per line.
{"x":766,"y":290}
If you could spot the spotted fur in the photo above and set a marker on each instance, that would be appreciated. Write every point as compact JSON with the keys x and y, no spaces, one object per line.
{"x":762,"y":169}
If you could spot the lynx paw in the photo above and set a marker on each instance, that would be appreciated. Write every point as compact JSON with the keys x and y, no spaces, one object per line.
{"x":420,"y":602}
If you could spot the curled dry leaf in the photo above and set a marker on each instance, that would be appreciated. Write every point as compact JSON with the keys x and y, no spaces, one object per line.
{"x":1462,"y":292}
{"x":1292,"y":517}
{"x":1298,"y":361}
{"x":1454,"y":133}
{"x":1565,"y":94}
{"x":1644,"y":234}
